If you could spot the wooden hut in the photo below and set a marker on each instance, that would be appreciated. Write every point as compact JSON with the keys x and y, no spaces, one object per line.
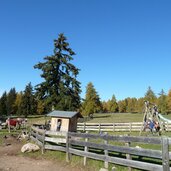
{"x":64,"y":120}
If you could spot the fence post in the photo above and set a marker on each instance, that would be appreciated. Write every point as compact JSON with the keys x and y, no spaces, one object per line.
{"x":130,"y":127}
{"x":113,"y":127}
{"x":84,"y":126}
{"x":106,"y":164}
{"x":99,"y":127}
{"x":128,"y":156}
{"x":85,"y":150}
{"x":43,"y":143}
{"x":68,"y":155}
{"x":165,"y":154}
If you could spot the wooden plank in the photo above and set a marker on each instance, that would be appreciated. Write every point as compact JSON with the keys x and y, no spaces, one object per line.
{"x":121,"y":149}
{"x":38,"y":136}
{"x":55,"y":140}
{"x":119,"y":161}
{"x":55,"y":147}
{"x":36,"y":141}
{"x":56,"y":133}
{"x":146,"y":140}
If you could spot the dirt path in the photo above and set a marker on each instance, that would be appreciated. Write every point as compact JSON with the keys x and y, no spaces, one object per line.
{"x":10,"y":161}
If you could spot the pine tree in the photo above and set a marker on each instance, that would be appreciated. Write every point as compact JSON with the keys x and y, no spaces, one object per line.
{"x":150,"y":96}
{"x":28,"y":103}
{"x":92,"y":102}
{"x":60,"y":87}
{"x":162,"y":102}
{"x":11,"y":97}
{"x":3,"y":101}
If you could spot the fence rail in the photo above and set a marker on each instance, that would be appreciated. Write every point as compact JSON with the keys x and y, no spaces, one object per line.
{"x":116,"y":127}
{"x":120,"y":150}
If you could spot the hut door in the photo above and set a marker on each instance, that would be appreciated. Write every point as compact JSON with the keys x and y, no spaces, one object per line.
{"x":59,"y":123}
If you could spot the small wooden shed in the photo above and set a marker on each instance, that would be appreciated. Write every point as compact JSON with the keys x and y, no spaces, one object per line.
{"x":64,"y":120}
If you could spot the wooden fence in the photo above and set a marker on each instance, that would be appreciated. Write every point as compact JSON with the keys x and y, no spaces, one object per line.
{"x":128,"y":151}
{"x":118,"y":127}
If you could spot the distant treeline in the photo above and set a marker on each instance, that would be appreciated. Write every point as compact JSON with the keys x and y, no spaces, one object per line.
{"x":92,"y":103}
{"x":27,"y":103}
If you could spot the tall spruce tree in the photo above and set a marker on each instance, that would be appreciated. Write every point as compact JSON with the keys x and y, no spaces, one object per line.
{"x":3,"y":106}
{"x":60,"y":88}
{"x":28,"y":103}
{"x":91,"y":103}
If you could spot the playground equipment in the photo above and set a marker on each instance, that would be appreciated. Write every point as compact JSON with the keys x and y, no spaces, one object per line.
{"x":152,"y":119}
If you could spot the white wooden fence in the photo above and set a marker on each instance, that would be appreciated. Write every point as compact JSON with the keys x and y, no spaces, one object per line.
{"x":119,"y":150}
{"x":118,"y":127}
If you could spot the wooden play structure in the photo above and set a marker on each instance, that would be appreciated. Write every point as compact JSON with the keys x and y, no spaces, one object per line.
{"x":151,"y":119}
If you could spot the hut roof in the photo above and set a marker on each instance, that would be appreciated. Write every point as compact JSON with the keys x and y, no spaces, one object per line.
{"x":63,"y":114}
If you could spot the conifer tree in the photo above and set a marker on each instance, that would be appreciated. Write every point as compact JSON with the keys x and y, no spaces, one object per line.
{"x":169,"y":101}
{"x":131,"y":105}
{"x":60,"y":87}
{"x":113,"y":105}
{"x":122,"y":106}
{"x":11,"y":97}
{"x":28,"y":103}
{"x":92,"y":102}
{"x":140,"y":105}
{"x":162,"y":102}
{"x":150,"y":96}
{"x":3,"y":101}
{"x":17,"y":104}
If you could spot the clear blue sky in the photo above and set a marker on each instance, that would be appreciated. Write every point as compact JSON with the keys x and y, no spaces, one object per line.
{"x":122,"y":46}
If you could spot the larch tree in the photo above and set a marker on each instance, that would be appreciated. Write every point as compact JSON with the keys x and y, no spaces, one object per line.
{"x":140,"y":105}
{"x":113,"y":105}
{"x":17,"y":104}
{"x":169,"y":101}
{"x":60,"y":87}
{"x":91,"y":103}
{"x":122,"y":106}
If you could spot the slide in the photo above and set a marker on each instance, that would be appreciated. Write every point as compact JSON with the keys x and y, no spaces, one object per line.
{"x":163,"y":118}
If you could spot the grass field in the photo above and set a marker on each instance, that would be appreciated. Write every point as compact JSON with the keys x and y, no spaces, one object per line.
{"x":119,"y":117}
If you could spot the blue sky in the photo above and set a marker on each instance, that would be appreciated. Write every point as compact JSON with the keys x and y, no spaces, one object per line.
{"x":122,"y":46}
